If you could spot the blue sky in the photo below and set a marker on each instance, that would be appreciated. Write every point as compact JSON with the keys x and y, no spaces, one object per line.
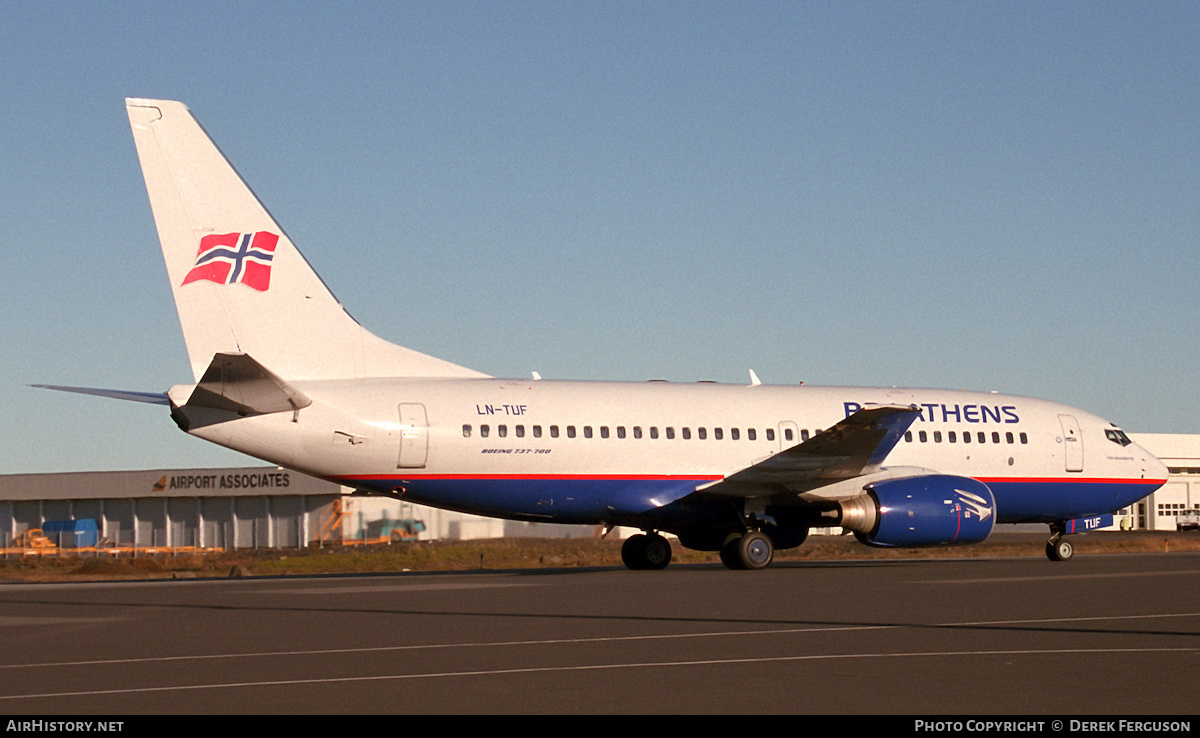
{"x":979,"y":195}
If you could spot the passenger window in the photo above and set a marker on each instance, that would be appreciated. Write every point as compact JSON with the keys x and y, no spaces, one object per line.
{"x":467,"y":431}
{"x":995,"y":436}
{"x":982,"y":437}
{"x":937,"y":436}
{"x":502,"y":431}
{"x":908,"y":436}
{"x":751,"y":434}
{"x":804,"y":434}
{"x":670,"y":433}
{"x":734,"y":434}
{"x":554,"y":431}
{"x":587,"y":431}
{"x":718,"y":434}
{"x":701,"y":433}
{"x":537,"y":431}
{"x":604,"y":431}
{"x":483,"y":431}
{"x":923,"y":436}
{"x":1024,"y":438}
{"x":952,"y":437}
{"x":620,"y":431}
{"x":966,"y":436}
{"x":654,"y":432}
{"x":686,"y":433}
{"x":570,"y":431}
{"x":637,"y":431}
{"x":770,"y":434}
{"x":520,"y":431}
{"x":1008,"y":437}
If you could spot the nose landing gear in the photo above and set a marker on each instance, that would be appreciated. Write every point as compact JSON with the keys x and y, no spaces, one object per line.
{"x":1059,"y":547}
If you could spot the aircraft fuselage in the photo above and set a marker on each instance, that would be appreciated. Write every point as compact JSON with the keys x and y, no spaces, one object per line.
{"x":619,"y":452}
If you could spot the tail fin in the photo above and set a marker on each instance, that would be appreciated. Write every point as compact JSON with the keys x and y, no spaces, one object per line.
{"x":240,"y":285}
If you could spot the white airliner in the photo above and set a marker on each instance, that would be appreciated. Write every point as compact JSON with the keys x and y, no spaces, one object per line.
{"x":283,"y":373}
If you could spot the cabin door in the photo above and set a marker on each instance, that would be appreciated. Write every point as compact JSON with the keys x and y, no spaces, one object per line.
{"x":414,"y":436}
{"x":1072,"y":443}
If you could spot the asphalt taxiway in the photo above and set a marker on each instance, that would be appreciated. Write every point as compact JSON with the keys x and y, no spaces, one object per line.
{"x":1110,"y":634}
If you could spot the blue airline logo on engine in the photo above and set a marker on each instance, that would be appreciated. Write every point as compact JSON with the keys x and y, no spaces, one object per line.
{"x":935,"y":412}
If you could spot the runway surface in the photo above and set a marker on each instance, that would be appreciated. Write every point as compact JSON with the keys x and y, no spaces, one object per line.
{"x":1102,"y":634}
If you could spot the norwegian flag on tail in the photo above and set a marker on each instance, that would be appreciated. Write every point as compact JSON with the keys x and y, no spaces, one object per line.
{"x":235,"y":257}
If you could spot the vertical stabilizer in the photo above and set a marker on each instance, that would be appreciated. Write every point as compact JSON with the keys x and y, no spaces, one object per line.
{"x":240,"y":284}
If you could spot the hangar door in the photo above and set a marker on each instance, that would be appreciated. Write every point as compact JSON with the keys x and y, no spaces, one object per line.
{"x":414,"y":436}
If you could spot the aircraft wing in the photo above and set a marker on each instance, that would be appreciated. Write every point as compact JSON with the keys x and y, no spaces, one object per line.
{"x":855,"y":446}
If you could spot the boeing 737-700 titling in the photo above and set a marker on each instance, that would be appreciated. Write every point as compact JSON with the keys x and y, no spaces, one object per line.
{"x":283,"y":373}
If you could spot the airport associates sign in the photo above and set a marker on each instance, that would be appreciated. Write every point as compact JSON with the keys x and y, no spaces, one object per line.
{"x":227,"y":481}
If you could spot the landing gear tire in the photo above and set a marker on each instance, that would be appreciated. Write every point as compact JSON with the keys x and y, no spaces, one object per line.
{"x":753,"y":550}
{"x":1060,"y":550}
{"x":646,"y":551}
{"x":729,"y":553}
{"x":656,"y":552}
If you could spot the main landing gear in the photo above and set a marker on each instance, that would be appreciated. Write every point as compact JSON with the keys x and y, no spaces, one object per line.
{"x":750,"y":550}
{"x":1059,"y":547}
{"x":646,"y":551}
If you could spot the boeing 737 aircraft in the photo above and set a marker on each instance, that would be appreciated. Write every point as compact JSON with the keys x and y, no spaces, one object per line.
{"x":283,"y":373}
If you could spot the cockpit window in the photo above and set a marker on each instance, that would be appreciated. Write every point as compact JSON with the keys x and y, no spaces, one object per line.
{"x":1117,"y":436}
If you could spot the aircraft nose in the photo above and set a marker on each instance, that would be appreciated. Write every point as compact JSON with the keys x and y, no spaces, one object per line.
{"x":1152,"y":467}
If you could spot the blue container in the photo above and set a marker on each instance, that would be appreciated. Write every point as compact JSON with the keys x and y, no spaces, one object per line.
{"x":74,"y":533}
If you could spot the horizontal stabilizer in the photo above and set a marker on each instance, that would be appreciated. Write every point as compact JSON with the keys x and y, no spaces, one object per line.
{"x":238,"y":383}
{"x":155,"y":398}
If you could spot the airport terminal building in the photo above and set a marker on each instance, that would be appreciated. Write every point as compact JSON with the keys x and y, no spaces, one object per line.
{"x":272,"y":507}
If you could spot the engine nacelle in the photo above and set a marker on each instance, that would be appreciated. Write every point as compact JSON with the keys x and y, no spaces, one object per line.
{"x":927,"y":510}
